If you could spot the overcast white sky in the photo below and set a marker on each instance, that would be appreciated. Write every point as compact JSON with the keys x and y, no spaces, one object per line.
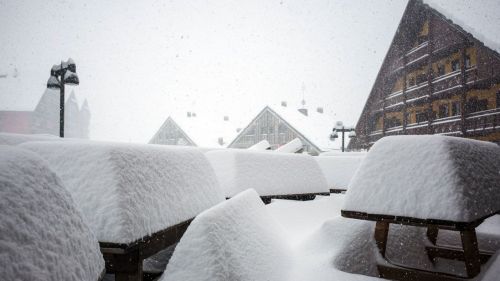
{"x":140,"y":61}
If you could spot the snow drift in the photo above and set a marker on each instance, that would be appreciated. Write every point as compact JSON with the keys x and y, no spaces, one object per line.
{"x":126,"y":192}
{"x":428,"y":177}
{"x":42,"y":235}
{"x":339,"y":170}
{"x":266,"y":172}
{"x":15,"y":139}
{"x":235,"y":240}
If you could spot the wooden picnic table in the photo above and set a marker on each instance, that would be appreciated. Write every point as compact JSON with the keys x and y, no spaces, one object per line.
{"x":469,"y":253}
{"x":125,"y":259}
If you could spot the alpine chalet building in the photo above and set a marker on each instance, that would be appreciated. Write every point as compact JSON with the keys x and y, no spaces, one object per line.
{"x":437,"y":78}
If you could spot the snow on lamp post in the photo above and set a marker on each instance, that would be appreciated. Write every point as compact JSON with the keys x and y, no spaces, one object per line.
{"x":339,"y":127}
{"x":61,"y":75}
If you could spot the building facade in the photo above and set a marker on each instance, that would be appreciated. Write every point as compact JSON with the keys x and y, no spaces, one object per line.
{"x":437,"y":78}
{"x":44,"y":119}
{"x":170,"y":133}
{"x":280,"y":125}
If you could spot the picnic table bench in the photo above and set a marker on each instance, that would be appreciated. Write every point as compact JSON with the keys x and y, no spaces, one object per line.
{"x":434,"y":182}
{"x":138,"y":199}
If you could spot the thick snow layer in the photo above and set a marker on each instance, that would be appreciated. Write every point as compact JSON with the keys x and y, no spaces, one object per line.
{"x":235,"y":240}
{"x":15,"y":139}
{"x":128,"y":191}
{"x":339,"y":170}
{"x":302,"y":218}
{"x":42,"y":235}
{"x":267,"y":173}
{"x":292,"y":146}
{"x":261,"y":145}
{"x":428,"y":177}
{"x":491,"y":271}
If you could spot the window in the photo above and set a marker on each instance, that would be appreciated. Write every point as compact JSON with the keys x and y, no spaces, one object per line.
{"x":392,"y":122}
{"x":455,"y":108}
{"x":455,"y":65}
{"x":421,"y":116}
{"x":421,"y":78}
{"x":474,"y":105}
{"x":467,"y":61}
{"x":440,"y":69}
{"x":443,"y":111}
{"x":411,"y":81}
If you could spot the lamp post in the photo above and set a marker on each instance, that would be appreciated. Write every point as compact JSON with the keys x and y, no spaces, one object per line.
{"x":61,"y":75}
{"x":339,"y":127}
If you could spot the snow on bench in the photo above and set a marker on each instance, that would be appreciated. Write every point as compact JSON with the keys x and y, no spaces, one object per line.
{"x":42,"y":235}
{"x":15,"y":139}
{"x":126,"y":192}
{"x":428,"y":177}
{"x":267,"y":172}
{"x":339,"y":170}
{"x":235,"y":240}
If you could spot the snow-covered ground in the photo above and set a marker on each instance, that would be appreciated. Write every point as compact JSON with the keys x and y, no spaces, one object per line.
{"x":88,"y":191}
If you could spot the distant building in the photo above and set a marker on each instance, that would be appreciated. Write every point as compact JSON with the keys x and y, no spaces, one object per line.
{"x":195,"y":130}
{"x":44,"y":118}
{"x":437,"y":78}
{"x":280,"y":125}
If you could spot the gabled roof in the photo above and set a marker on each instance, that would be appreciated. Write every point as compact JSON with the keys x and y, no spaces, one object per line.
{"x":461,"y":18}
{"x":315,"y":128}
{"x":203,"y":131}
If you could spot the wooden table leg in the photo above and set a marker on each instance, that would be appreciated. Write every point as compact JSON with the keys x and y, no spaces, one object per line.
{"x":471,"y":252}
{"x":432,"y":233}
{"x":128,"y":267}
{"x":381,"y":233}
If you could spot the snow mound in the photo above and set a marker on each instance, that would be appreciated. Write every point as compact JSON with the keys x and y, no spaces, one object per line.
{"x":235,"y":240}
{"x":339,"y":170}
{"x":15,"y":139}
{"x":428,"y":177}
{"x":42,"y":235}
{"x":267,"y":173}
{"x":126,"y":192}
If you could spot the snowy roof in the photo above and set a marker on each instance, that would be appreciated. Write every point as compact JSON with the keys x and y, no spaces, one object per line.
{"x":428,"y":177}
{"x":205,"y":131}
{"x":125,"y":191}
{"x":316,"y":127}
{"x":461,"y":14}
{"x":43,"y":236}
{"x":269,"y":173}
{"x":235,"y":240}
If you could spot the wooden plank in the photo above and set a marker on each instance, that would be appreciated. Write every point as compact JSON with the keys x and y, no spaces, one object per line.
{"x":337,"y":190}
{"x":125,"y":260}
{"x":380,"y":235}
{"x":405,"y":274}
{"x":442,"y":224}
{"x":471,"y":252}
{"x":454,"y":254}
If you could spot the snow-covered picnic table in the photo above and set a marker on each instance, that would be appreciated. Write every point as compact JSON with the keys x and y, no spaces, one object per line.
{"x":42,"y":235}
{"x":272,"y":175}
{"x":432,"y":181}
{"x":138,"y":199}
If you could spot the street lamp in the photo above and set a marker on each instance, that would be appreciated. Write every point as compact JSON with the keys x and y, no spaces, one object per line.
{"x":60,"y":75}
{"x":339,"y":127}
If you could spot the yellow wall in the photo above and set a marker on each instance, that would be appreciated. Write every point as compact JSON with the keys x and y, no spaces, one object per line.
{"x":449,"y":102}
{"x":398,"y":86}
{"x":379,"y":125}
{"x":488,"y":94}
{"x":412,"y":112}
{"x":491,"y":137}
{"x":425,"y":29}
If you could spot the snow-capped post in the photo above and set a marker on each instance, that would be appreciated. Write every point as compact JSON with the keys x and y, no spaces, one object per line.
{"x":61,"y":74}
{"x":339,"y":127}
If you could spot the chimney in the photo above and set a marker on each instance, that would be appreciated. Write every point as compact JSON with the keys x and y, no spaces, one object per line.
{"x":193,"y":114}
{"x":226,"y":118}
{"x":303,"y":111}
{"x":319,"y":109}
{"x":283,"y":103}
{"x":188,"y":114}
